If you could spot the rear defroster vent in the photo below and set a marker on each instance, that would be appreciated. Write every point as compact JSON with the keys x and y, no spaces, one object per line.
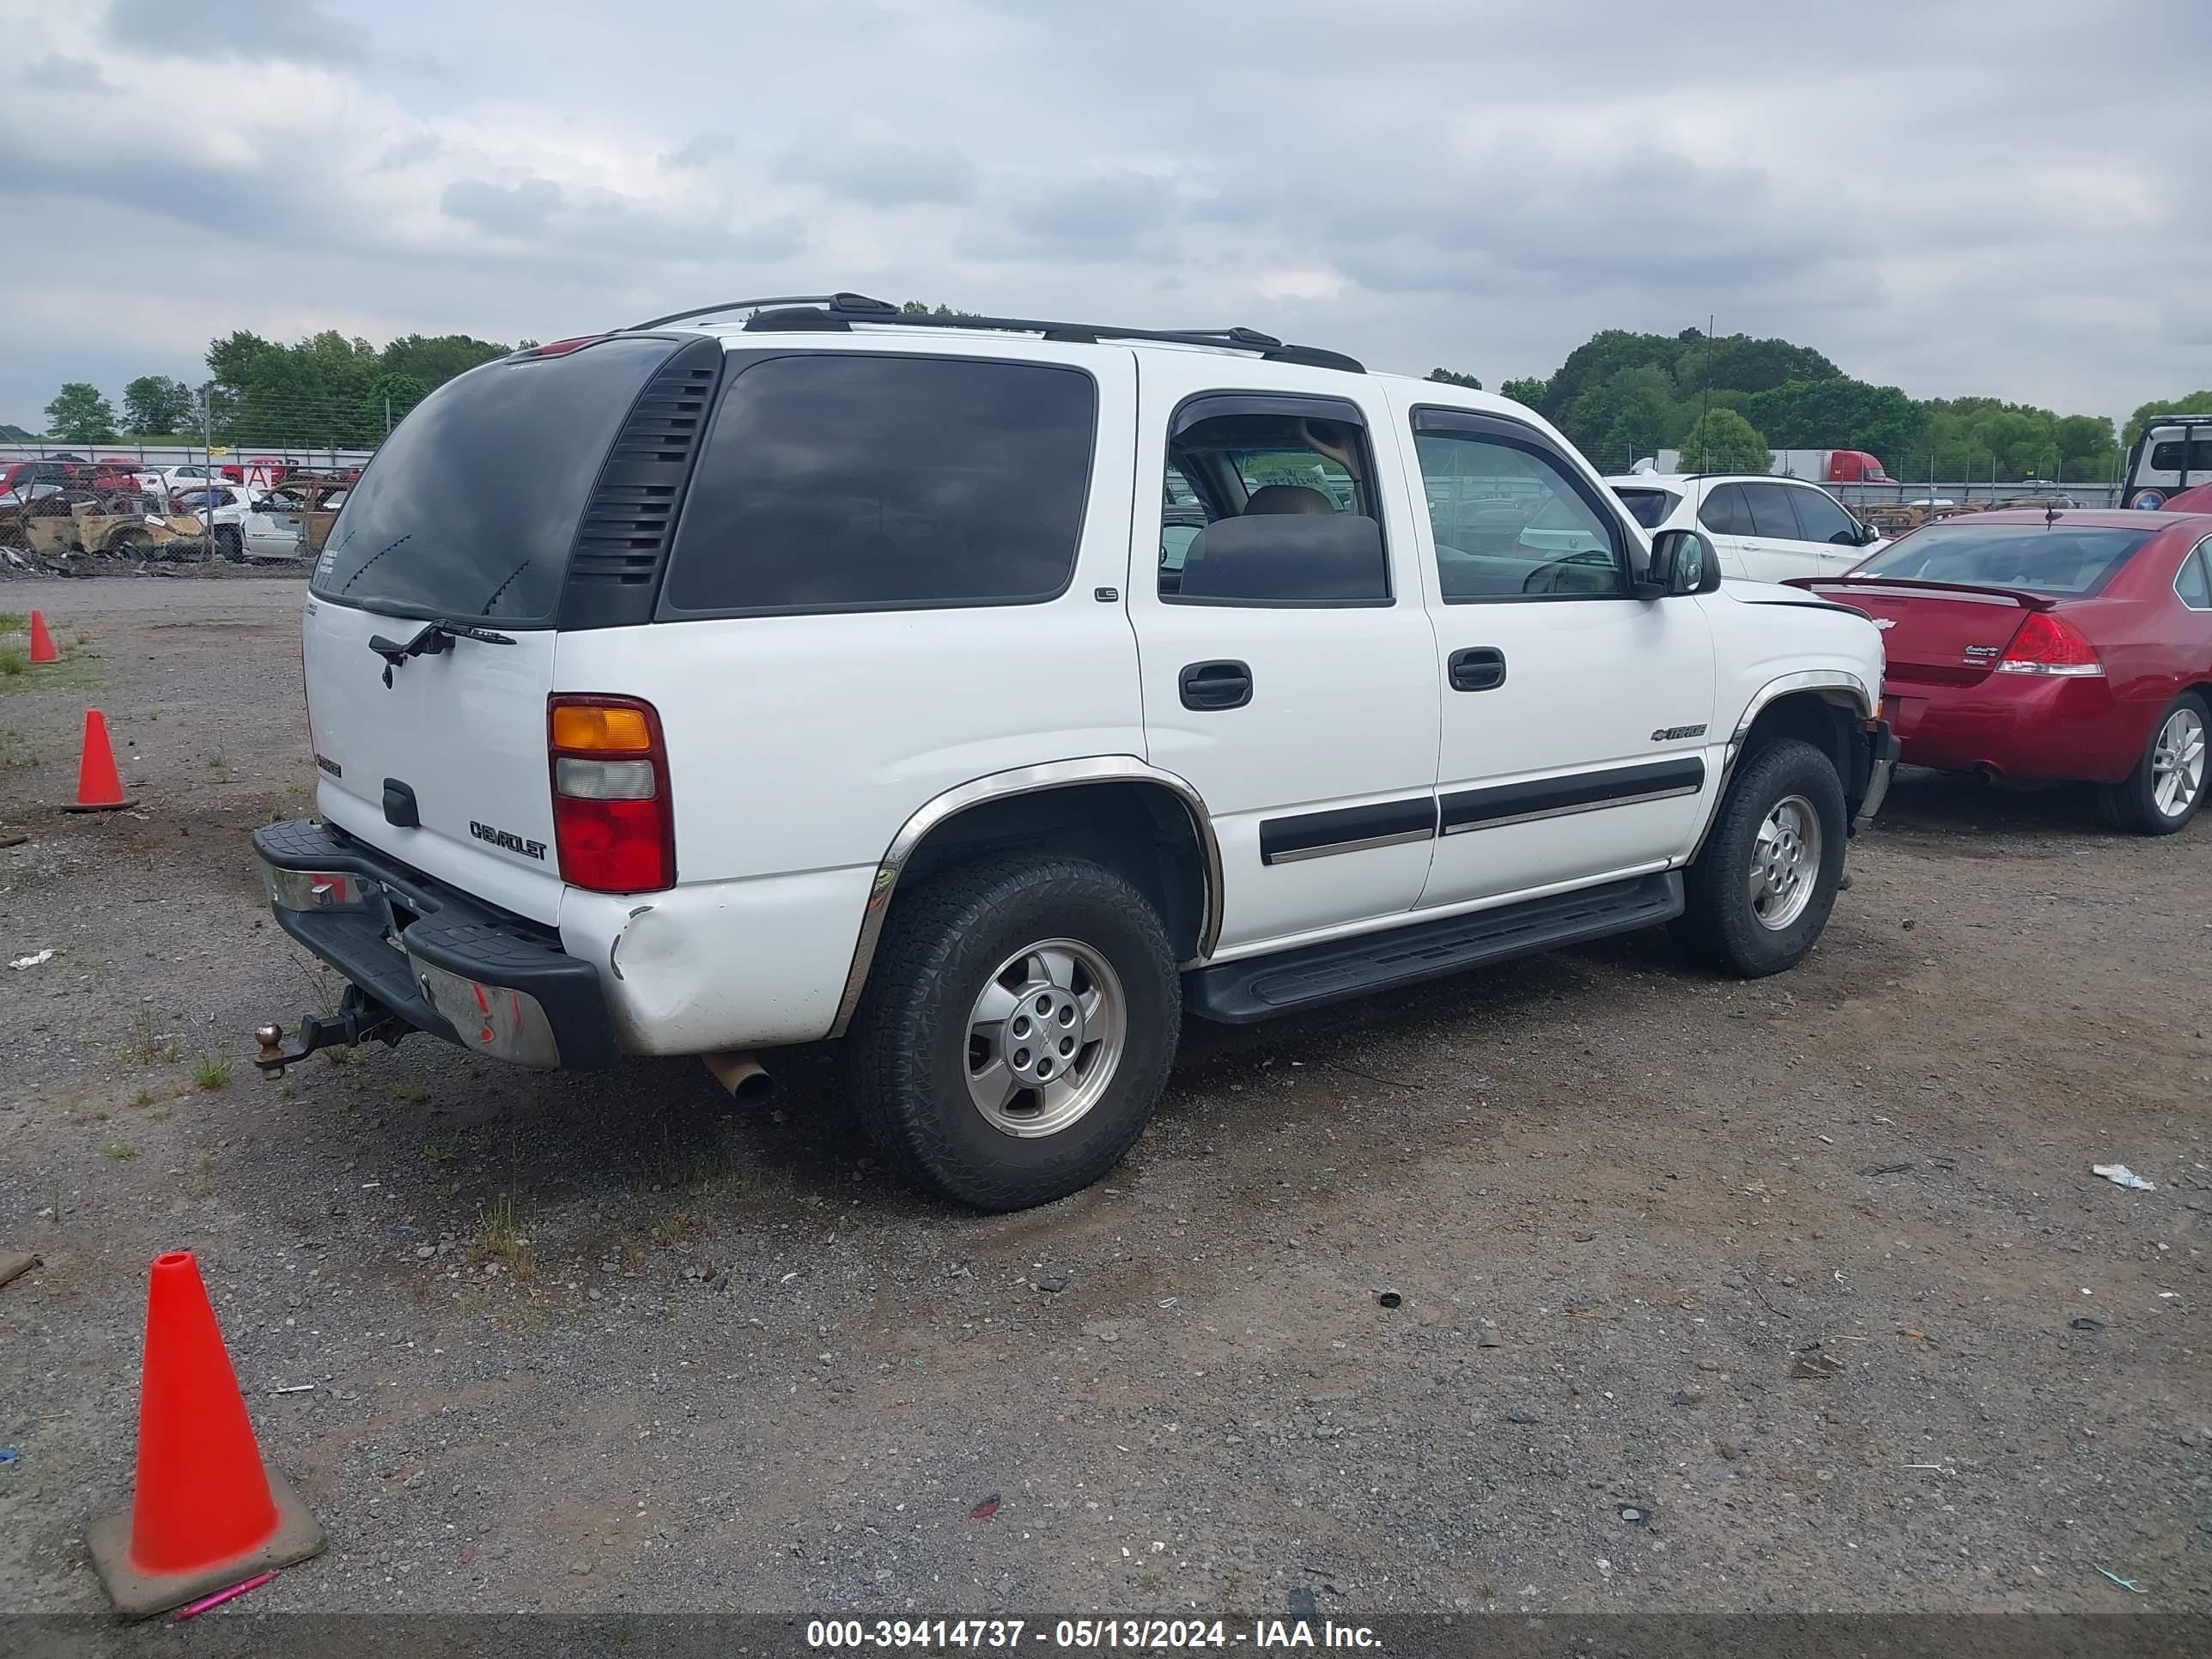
{"x":623,"y":539}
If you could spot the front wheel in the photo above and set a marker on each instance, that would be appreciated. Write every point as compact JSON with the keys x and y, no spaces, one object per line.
{"x":1760,"y":892}
{"x":2168,"y":784}
{"x":1020,"y":1017}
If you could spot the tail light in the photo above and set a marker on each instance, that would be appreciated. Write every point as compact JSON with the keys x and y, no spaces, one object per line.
{"x":2047,"y":644}
{"x":614,"y":825}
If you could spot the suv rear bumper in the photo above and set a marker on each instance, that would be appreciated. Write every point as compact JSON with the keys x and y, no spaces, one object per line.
{"x":442,"y":963}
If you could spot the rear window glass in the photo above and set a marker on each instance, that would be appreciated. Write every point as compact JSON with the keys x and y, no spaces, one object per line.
{"x":2059,"y":559}
{"x":842,"y":482}
{"x":1649,"y":508}
{"x":2167,"y":457}
{"x":470,"y":508}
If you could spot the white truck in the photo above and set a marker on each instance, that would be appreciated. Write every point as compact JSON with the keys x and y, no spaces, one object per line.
{"x":703,"y":688}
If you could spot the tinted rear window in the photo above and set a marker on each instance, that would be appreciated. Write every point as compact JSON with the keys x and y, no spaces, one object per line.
{"x":839,"y":482}
{"x":1649,"y":508}
{"x":470,"y":508}
{"x":2059,"y":559}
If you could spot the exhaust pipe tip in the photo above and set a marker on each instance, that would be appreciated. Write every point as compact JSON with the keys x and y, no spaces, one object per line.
{"x":740,"y":1070}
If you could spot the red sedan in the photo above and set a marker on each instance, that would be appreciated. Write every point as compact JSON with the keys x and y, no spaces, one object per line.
{"x":2068,"y":644}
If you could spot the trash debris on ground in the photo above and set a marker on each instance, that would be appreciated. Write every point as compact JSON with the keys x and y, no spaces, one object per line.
{"x":1886,"y":1169}
{"x":222,"y":1596}
{"x":13,"y":1264}
{"x":986,"y":1510}
{"x":295,"y":1388}
{"x":7,"y":1454}
{"x":2124,"y":1583}
{"x":33,"y":960}
{"x":1812,"y":1363}
{"x":2088,"y":1324}
{"x":1389,"y":1298}
{"x":2120,"y":1175}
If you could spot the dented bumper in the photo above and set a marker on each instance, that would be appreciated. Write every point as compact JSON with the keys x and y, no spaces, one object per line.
{"x":443,"y":963}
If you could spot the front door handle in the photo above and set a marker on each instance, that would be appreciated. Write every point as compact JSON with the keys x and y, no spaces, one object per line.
{"x":1478,"y":668}
{"x":1210,"y":685}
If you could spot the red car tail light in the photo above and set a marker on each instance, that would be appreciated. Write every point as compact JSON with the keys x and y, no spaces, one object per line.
{"x":2047,"y":644}
{"x":614,"y":825}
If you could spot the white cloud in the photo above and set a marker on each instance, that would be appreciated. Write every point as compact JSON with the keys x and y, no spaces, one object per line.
{"x":1929,"y":200}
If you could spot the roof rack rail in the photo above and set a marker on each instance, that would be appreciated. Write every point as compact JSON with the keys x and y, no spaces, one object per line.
{"x":856,"y":303}
{"x":840,"y":311}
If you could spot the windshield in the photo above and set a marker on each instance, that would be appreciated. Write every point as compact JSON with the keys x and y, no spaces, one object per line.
{"x":1649,"y":508}
{"x":471,"y":506}
{"x":2057,"y":558}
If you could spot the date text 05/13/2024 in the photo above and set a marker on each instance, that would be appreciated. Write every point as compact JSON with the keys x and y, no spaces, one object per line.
{"x":1141,"y":1634}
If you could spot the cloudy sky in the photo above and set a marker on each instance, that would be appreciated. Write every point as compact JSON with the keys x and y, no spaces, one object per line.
{"x":1951,"y":195}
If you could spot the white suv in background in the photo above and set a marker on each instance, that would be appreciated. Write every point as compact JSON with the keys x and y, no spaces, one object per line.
{"x":1765,"y":529}
{"x":989,"y":694}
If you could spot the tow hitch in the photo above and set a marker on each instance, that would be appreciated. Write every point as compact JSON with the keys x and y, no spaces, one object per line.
{"x":359,"y":1019}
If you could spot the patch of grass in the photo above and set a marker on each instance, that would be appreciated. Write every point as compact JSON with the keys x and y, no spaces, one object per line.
{"x":14,"y":661}
{"x":501,"y":1238}
{"x":13,"y":622}
{"x":210,"y":1072}
{"x":672,"y":1229}
{"x":72,"y":673}
{"x":407,"y":1094}
{"x":143,"y":1098}
{"x":82,"y":638}
{"x":119,"y":1149}
{"x":440,"y":1152}
{"x":93,"y":1116}
{"x":147,"y":1046}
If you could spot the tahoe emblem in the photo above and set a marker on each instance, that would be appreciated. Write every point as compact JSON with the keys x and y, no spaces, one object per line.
{"x":507,"y":841}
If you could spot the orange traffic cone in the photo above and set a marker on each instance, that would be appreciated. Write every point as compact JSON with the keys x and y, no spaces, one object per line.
{"x":98,"y":785}
{"x":206,"y":1513}
{"x":42,"y":642}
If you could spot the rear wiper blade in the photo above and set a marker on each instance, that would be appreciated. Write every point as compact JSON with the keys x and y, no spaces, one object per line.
{"x":436,"y":637}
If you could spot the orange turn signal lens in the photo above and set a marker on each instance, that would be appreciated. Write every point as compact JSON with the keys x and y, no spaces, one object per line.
{"x":601,"y":731}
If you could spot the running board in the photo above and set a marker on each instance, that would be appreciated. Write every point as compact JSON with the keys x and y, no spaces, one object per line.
{"x":1236,"y":993}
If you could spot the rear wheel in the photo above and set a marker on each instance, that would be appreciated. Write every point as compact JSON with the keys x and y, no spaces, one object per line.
{"x":229,"y":542}
{"x":1020,"y":1018}
{"x":2168,"y":784}
{"x":1759,"y":894}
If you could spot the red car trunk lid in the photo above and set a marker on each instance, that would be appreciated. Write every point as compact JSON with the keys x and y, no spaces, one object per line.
{"x":1936,"y":633}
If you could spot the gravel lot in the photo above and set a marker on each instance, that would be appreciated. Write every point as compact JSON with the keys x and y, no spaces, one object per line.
{"x":583,"y":1343}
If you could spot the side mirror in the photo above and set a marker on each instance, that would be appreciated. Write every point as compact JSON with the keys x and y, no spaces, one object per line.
{"x":1869,"y":534}
{"x":1682,"y":561}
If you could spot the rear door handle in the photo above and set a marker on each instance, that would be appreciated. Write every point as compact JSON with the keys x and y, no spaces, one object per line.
{"x":1478,"y":668}
{"x":1211,"y":685}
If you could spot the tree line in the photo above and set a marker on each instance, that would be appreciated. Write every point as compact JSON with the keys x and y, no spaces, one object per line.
{"x":1722,"y":401}
{"x":1725,"y":401}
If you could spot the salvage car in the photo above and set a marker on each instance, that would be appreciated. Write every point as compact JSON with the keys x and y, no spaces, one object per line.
{"x":2052,"y":646}
{"x":1767,"y":529}
{"x":706,"y":688}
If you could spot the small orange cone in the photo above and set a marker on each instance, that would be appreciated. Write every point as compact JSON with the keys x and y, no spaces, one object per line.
{"x":98,"y":785}
{"x":206,"y":1513}
{"x":42,"y":642}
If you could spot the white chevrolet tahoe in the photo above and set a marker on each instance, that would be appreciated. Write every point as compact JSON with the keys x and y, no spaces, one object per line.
{"x":988,"y":694}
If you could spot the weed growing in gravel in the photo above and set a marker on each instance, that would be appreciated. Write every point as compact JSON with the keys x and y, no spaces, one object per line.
{"x":82,"y":638}
{"x":409,"y":1094}
{"x":13,"y":622}
{"x":71,"y":673}
{"x":14,"y":661}
{"x":439,"y":1152}
{"x":143,"y":1098}
{"x":119,"y":1149}
{"x":210,"y":1072}
{"x":147,"y":1046}
{"x":501,"y":1238}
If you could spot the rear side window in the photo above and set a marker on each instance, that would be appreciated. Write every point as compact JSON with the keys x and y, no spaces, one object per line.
{"x":2170,"y":457}
{"x":2057,"y":559}
{"x":1771,"y":512}
{"x":1821,"y":519}
{"x":1649,"y":508}
{"x":1724,"y":512}
{"x":840,"y":482}
{"x":470,"y":508}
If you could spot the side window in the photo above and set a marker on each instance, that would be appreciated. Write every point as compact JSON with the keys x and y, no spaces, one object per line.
{"x":1511,"y":523}
{"x":2191,"y":581}
{"x":1770,"y":513}
{"x":1821,"y":519}
{"x":839,"y":482}
{"x":1724,"y":512}
{"x":1266,"y":504}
